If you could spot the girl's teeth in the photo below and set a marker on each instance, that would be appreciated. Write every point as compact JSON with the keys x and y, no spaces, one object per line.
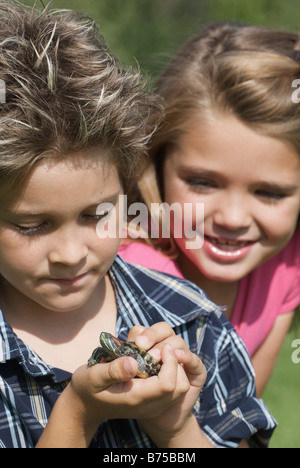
{"x":228,"y":245}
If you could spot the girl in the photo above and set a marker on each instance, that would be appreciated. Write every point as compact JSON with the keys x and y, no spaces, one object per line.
{"x":230,"y":139}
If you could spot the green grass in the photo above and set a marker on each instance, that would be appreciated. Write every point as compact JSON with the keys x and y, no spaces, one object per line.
{"x":282,"y":396}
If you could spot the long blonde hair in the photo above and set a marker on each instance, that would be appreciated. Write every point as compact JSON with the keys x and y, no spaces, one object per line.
{"x":240,"y":70}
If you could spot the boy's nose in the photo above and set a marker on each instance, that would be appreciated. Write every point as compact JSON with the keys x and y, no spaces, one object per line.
{"x":69,"y":250}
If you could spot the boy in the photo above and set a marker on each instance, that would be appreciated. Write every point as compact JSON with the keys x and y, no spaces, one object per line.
{"x":72,"y":128}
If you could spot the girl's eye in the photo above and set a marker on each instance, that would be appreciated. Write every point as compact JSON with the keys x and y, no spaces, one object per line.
{"x":271,"y":196}
{"x":200,"y":184}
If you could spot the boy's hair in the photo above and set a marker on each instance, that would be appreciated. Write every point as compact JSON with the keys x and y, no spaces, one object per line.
{"x":244,"y":71}
{"x":65,"y":92}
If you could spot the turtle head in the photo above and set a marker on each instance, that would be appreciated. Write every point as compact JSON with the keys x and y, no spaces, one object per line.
{"x":109,"y":343}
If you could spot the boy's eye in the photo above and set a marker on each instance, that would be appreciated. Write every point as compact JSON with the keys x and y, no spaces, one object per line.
{"x":96,"y":217}
{"x":31,"y":230}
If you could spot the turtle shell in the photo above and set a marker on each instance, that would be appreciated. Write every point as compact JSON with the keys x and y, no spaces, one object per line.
{"x":112,"y":348}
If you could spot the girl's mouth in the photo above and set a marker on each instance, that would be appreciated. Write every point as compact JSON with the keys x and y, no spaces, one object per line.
{"x":226,"y":250}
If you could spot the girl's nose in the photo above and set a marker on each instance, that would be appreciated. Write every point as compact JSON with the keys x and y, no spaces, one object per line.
{"x":233,"y":214}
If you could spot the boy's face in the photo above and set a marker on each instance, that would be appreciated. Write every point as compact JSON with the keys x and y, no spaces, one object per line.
{"x":250,"y":187}
{"x":50,"y":251}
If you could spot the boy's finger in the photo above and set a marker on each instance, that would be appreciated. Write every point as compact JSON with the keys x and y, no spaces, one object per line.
{"x":193,"y":366}
{"x":135,"y":331}
{"x":171,"y":374}
{"x":119,"y":370}
{"x":155,"y":334}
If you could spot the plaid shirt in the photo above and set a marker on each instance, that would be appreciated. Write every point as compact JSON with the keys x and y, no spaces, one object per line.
{"x":227,"y":410}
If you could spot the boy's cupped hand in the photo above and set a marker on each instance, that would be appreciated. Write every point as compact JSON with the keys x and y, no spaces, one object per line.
{"x":171,"y":421}
{"x":161,"y":403}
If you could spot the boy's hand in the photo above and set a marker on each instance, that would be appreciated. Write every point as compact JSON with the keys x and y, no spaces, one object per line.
{"x":178,"y":417}
{"x":109,"y":391}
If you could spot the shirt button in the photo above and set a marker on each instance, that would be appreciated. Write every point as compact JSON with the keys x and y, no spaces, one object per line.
{"x":33,"y":360}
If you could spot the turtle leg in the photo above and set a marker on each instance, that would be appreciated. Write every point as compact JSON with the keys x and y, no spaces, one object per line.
{"x":99,"y":355}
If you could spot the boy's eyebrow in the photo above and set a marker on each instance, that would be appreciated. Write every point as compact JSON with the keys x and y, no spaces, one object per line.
{"x":36,"y":213}
{"x":287,"y":188}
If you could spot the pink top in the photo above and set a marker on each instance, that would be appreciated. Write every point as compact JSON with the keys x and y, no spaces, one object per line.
{"x":270,"y":290}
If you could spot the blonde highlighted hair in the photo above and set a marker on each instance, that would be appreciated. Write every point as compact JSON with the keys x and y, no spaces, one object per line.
{"x":66,"y":92}
{"x":239,"y":70}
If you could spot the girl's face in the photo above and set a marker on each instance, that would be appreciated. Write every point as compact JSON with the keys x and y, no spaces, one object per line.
{"x":50,"y":252}
{"x":250,"y":187}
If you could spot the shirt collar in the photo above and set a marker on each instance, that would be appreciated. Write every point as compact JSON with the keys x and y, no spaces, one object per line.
{"x":146,"y":296}
{"x":12,"y":347}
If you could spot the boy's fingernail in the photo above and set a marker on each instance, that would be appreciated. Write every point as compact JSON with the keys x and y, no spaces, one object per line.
{"x":142,"y":342}
{"x":169,"y":347}
{"x":180,"y":353}
{"x":155,"y":353}
{"x":130,"y":366}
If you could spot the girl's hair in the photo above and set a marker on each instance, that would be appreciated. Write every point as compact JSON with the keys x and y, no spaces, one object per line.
{"x":65,"y":92}
{"x":238,"y":70}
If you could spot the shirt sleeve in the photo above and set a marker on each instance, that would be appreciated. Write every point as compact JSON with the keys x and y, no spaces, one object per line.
{"x":293,"y":299}
{"x":228,"y":410}
{"x":13,"y":431}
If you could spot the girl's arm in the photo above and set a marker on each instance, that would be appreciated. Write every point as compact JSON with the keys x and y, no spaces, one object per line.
{"x":265,"y":357}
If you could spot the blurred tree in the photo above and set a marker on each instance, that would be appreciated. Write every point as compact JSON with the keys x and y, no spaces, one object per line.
{"x":272,"y":13}
{"x":149,"y":31}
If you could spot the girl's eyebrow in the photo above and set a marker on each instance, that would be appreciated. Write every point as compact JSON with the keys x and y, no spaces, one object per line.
{"x":193,"y":171}
{"x":197,"y":171}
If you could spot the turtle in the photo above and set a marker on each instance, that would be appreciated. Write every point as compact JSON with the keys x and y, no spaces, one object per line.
{"x":111,"y":348}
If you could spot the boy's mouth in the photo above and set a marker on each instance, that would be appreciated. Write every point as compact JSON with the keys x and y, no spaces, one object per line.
{"x":69,"y":281}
